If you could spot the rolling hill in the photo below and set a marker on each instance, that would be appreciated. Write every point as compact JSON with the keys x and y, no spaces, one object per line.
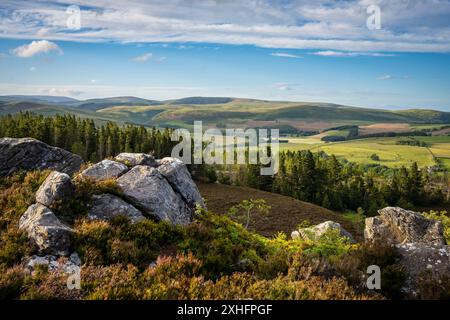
{"x":218,"y":111}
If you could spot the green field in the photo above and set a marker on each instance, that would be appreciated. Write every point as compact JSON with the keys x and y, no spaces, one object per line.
{"x":390,"y":154}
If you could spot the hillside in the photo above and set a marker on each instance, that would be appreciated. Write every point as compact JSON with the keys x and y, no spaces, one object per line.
{"x":219,"y":111}
{"x":285,"y":215}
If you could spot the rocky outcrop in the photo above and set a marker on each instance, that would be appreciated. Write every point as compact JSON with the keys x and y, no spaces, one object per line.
{"x":103,"y":170}
{"x":30,"y":154}
{"x":396,"y":226}
{"x":43,"y":227}
{"x":313,"y":233}
{"x":136,"y":159}
{"x":163,"y":190}
{"x":147,"y":189}
{"x":419,"y":241}
{"x":55,"y":188}
{"x":423,"y":262}
{"x":176,"y":173}
{"x":107,"y":206}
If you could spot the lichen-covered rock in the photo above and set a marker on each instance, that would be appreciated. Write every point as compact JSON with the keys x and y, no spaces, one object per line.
{"x":312,"y":233}
{"x":45,"y":229}
{"x":149,"y":191}
{"x":31,"y":154}
{"x":136,"y":159}
{"x":395,"y":225}
{"x":175,"y":171}
{"x":103,"y":170}
{"x":107,"y":206}
{"x":423,"y":262}
{"x":56,"y":187}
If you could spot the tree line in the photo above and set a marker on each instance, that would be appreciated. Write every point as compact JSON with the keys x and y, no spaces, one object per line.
{"x":84,"y":137}
{"x":339,"y":185}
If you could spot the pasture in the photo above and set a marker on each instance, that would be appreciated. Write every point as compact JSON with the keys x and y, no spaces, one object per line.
{"x":390,"y":154}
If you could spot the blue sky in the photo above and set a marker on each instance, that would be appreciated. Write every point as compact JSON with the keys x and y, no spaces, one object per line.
{"x":277,"y":50}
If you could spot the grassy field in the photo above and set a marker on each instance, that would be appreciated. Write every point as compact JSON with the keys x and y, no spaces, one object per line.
{"x":390,"y":154}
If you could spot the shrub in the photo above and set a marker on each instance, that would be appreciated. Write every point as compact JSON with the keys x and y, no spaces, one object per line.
{"x":103,"y":243}
{"x":14,"y":245}
{"x":329,"y":245}
{"x":353,"y":266}
{"x":242,"y":212}
{"x":444,"y":218}
{"x":114,"y":282}
{"x":222,"y":245}
{"x":17,"y":192}
{"x":11,"y":282}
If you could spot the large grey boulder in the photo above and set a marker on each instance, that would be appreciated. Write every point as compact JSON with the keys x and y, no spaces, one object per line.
{"x":56,"y":187}
{"x":136,"y":159}
{"x":103,"y":170}
{"x":315,"y":232}
{"x":107,"y":206}
{"x":423,"y":262}
{"x":395,"y":225}
{"x":43,"y":227}
{"x":175,"y":171}
{"x":31,"y":154}
{"x":148,"y":190}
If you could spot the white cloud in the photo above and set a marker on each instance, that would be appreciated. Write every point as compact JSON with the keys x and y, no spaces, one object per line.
{"x":286,"y":86}
{"x":36,"y":47}
{"x":412,"y":25}
{"x":331,"y":53}
{"x":62,"y":92}
{"x":285,"y":55}
{"x":33,"y":69}
{"x":391,"y":77}
{"x":143,"y":58}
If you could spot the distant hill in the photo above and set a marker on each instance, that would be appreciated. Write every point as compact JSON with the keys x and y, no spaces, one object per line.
{"x":201,"y":100}
{"x":97,"y":104}
{"x":38,"y":99}
{"x":219,"y":111}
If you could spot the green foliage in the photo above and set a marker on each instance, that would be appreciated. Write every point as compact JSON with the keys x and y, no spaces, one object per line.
{"x":444,"y":218}
{"x":325,"y":181}
{"x":211,"y":174}
{"x":243,"y":211}
{"x":356,"y":218}
{"x":83,"y":137}
{"x":222,"y":244}
{"x":330,"y":244}
{"x":102,"y":243}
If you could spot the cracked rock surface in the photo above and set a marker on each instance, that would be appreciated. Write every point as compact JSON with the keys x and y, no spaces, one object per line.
{"x":30,"y":154}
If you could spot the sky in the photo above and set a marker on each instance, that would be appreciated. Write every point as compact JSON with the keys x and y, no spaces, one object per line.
{"x":311,"y":50}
